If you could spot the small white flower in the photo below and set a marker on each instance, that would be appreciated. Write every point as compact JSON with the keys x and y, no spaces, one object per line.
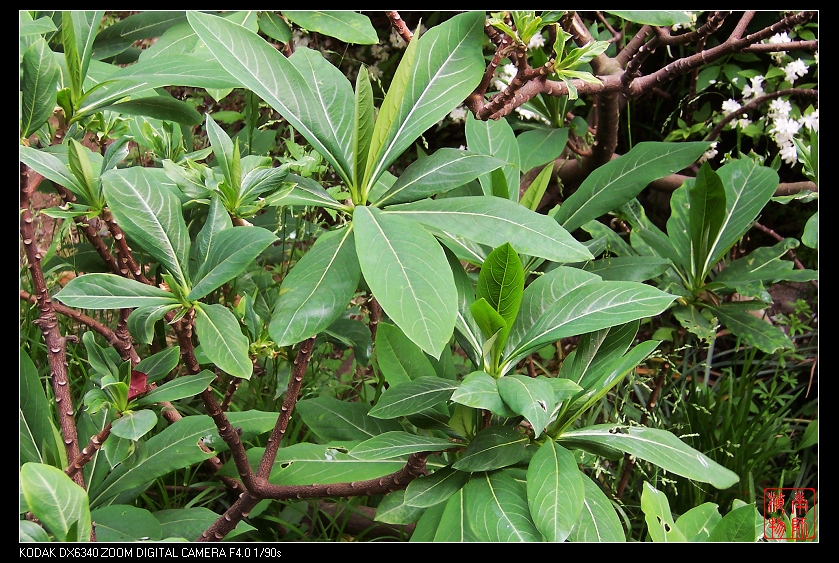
{"x":710,"y":153}
{"x":743,"y":122}
{"x":795,"y":70}
{"x":779,"y":38}
{"x":789,"y":154}
{"x":527,"y":114}
{"x":755,"y":89}
{"x":779,"y":108}
{"x":536,"y":41}
{"x":396,"y":39}
{"x":816,"y":56}
{"x":458,"y":114}
{"x":380,"y":52}
{"x":730,"y":106}
{"x":811,"y":121}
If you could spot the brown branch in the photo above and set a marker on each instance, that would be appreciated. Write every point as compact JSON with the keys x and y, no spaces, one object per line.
{"x":399,"y":25}
{"x":779,"y":47}
{"x":88,"y":451}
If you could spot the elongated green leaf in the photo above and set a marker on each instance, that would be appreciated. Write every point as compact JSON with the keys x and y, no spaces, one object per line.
{"x":36,"y":431}
{"x":620,"y":180}
{"x":349,"y":27}
{"x":233,"y":250}
{"x":533,"y":398}
{"x":497,"y":511}
{"x":396,"y":444}
{"x":125,"y":523}
{"x":435,"y":488}
{"x":762,"y":264}
{"x":660,"y":448}
{"x":305,"y":191}
{"x":159,"y":365}
{"x":496,"y":138}
{"x":274,"y":78}
{"x":538,"y":147}
{"x":119,"y":36}
{"x":50,"y":167}
{"x":555,"y":492}
{"x":38,"y":84}
{"x":184,"y":386}
{"x":27,"y":26}
{"x":592,"y":307}
{"x":494,"y":221}
{"x":543,"y":292}
{"x":108,"y":291}
{"x":29,"y":532}
{"x":628,"y":268}
{"x":176,"y":447}
{"x":748,"y":188}
{"x":413,"y":397}
{"x":394,"y":510}
{"x":334,"y":420}
{"x":225,"y":156}
{"x":56,"y":501}
{"x":492,"y":448}
{"x":536,"y":190}
{"x":597,"y":350}
{"x":706,"y":200}
{"x":736,"y":526}
{"x":598,"y":521}
{"x":400,"y":359}
{"x":428,"y":525}
{"x":479,"y":390}
{"x":364,"y":123}
{"x":304,"y":464}
{"x":752,"y":330}
{"x":150,"y":215}
{"x":454,"y":524}
{"x":274,"y":26}
{"x":141,"y":321}
{"x":657,"y":17}
{"x":160,"y":107}
{"x":134,"y":425}
{"x":491,"y":322}
{"x":438,"y":173}
{"x":660,"y":522}
{"x":78,"y":30}
{"x":467,"y":332}
{"x":501,"y":282}
{"x":409,"y":275}
{"x":222,"y":340}
{"x":810,"y":236}
{"x":696,"y":524}
{"x":317,"y":289}
{"x":449,"y":65}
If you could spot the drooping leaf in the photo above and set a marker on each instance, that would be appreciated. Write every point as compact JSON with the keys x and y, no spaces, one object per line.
{"x":397,"y":443}
{"x":433,"y":489}
{"x":394,"y":510}
{"x":150,"y":215}
{"x":538,"y":147}
{"x":349,"y":27}
{"x":119,"y":36}
{"x":50,"y":167}
{"x":751,"y":329}
{"x":408,"y":273}
{"x":413,"y":396}
{"x":494,"y":221}
{"x":597,"y":521}
{"x":496,"y":138}
{"x":36,"y":432}
{"x":56,"y":501}
{"x":555,"y":491}
{"x":317,"y":289}
{"x":222,"y":339}
{"x":305,"y":191}
{"x":109,"y":291}
{"x":400,"y":359}
{"x":496,"y":508}
{"x":274,"y":26}
{"x":160,"y":107}
{"x":492,"y":448}
{"x":659,"y":447}
{"x":304,"y":464}
{"x":628,"y":268}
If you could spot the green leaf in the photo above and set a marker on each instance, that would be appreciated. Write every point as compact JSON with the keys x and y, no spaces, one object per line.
{"x":232,"y":251}
{"x":588,"y":308}
{"x":397,"y":443}
{"x":183,"y":386}
{"x":533,"y":398}
{"x":433,"y":489}
{"x":736,"y":526}
{"x":150,"y":216}
{"x":428,"y":525}
{"x":160,"y":107}
{"x":134,"y":425}
{"x":305,"y":191}
{"x":762,"y":264}
{"x":141,"y":321}
{"x":109,"y":291}
{"x":409,"y":275}
{"x":497,"y":511}
{"x":317,"y":289}
{"x":454,"y":524}
{"x":349,"y":27}
{"x":31,"y":532}
{"x":628,"y":268}
{"x":394,"y":510}
{"x":658,"y":447}
{"x":326,"y":122}
{"x":555,"y":492}
{"x":533,"y":196}
{"x":363,"y":129}
{"x":754,"y":331}
{"x":125,"y":523}
{"x":56,"y":501}
{"x":491,"y":322}
{"x":620,"y":180}
{"x":176,"y":447}
{"x":222,"y":339}
{"x":351,"y":333}
{"x":304,"y":464}
{"x":78,"y":30}
{"x":706,"y":200}
{"x":501,"y":282}
{"x":413,"y":396}
{"x":38,"y":84}
{"x":664,"y":18}
{"x":597,"y":521}
{"x":159,"y":365}
{"x":50,"y":167}
{"x":438,"y":173}
{"x":810,"y":237}
{"x":538,"y":147}
{"x":696,"y":524}
{"x":37,"y":437}
{"x":334,"y":420}
{"x":274,"y":26}
{"x":494,"y":221}
{"x":496,"y":138}
{"x":660,"y":522}
{"x":399,"y":359}
{"x":119,"y":36}
{"x":479,"y":390}
{"x":492,"y":448}
{"x":450,"y":66}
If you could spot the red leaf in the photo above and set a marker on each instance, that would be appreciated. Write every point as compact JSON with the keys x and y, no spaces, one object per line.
{"x":138,"y":384}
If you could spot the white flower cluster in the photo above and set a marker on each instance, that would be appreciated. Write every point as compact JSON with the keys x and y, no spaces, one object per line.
{"x":784,"y":129}
{"x":777,"y":39}
{"x":503,"y":76}
{"x":536,"y":41}
{"x":458,"y":114}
